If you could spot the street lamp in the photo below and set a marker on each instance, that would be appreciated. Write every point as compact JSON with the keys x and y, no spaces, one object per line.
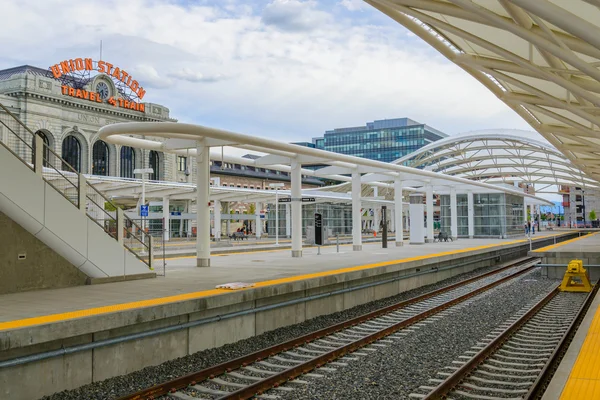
{"x":276,"y":186}
{"x":143,"y":172}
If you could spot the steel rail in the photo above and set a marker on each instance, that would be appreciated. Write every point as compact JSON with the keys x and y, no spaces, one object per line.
{"x":197,"y":377}
{"x":539,"y":386}
{"x":453,"y":380}
{"x":293,"y":372}
{"x":449,"y":384}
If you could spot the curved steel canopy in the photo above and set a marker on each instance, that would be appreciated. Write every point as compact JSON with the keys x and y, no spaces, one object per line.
{"x":500,"y":156}
{"x":540,"y":57}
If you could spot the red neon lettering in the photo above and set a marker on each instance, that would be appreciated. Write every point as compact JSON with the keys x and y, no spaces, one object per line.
{"x":56,"y":71}
{"x":71,"y":91}
{"x":89,"y":64}
{"x":64,"y":65}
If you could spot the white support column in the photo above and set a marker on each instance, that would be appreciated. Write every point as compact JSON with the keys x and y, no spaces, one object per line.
{"x":453,"y":214}
{"x":356,"y":217}
{"x":296,"y":176}
{"x":258,"y":228}
{"x":228,"y":222}
{"x":166,"y":219}
{"x":471,"y":214}
{"x":398,"y":212}
{"x":429,"y":205}
{"x":202,"y":205}
{"x":217,"y":220}
{"x":288,"y":220}
{"x":189,"y":223}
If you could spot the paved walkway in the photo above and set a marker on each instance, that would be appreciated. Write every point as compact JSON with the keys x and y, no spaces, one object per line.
{"x":183,"y":277}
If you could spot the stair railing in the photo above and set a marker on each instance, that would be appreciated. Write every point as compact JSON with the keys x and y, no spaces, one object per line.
{"x":58,"y":173}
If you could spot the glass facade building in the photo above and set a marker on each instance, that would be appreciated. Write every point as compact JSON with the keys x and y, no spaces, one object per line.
{"x":494,"y":215}
{"x":384,"y":140}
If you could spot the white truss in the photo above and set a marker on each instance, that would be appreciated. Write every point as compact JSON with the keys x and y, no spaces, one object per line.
{"x":540,"y":57}
{"x":500,"y":156}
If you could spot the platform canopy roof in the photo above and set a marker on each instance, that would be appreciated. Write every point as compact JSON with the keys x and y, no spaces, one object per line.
{"x":500,"y":156}
{"x":183,"y":139}
{"x":130,"y":188}
{"x":540,"y":57}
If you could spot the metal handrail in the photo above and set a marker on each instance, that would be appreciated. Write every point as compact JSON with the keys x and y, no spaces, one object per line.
{"x":76,"y":189}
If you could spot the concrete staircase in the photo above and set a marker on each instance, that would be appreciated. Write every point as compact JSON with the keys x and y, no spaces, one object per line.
{"x":42,"y":194}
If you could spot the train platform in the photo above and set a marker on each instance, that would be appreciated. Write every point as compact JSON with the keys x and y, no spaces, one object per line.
{"x":90,"y":333}
{"x":556,"y":257}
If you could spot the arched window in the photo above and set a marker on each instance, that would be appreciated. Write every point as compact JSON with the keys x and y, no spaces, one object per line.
{"x":127,"y":162}
{"x":46,"y":162}
{"x":71,"y":152}
{"x":154,"y":163}
{"x":100,"y":158}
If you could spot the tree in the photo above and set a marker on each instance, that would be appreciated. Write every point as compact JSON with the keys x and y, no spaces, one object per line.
{"x":251,"y":209}
{"x":592,"y":215}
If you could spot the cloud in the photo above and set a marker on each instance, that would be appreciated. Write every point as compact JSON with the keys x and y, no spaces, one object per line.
{"x":287,"y":80}
{"x":189,"y":75}
{"x":150,"y":77}
{"x":294,"y":15}
{"x":353,"y":5}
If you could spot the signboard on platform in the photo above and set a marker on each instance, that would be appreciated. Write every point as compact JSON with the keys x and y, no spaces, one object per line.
{"x":285,"y":200}
{"x":144,"y":210}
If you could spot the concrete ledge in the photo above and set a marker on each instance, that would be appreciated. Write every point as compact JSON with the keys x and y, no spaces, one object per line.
{"x":111,"y":279}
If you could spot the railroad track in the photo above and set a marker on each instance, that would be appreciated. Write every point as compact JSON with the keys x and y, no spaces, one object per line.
{"x":517,"y":360}
{"x":327,"y":349}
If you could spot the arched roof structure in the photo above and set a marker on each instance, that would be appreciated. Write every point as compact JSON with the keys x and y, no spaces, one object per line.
{"x":495,"y":156}
{"x":539,"y":57}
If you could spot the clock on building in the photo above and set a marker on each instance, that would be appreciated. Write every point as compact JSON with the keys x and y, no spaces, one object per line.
{"x":102,"y":90}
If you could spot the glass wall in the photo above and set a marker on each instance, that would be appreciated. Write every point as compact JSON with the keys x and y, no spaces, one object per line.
{"x":494,"y":214}
{"x":337,"y":218}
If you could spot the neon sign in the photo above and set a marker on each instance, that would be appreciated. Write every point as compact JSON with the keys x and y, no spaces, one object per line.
{"x":76,"y":73}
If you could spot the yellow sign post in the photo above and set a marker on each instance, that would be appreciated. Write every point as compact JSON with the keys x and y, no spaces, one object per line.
{"x":576,"y":278}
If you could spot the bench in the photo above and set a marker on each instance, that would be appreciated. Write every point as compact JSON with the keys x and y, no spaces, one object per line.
{"x":238,"y":236}
{"x":442,"y":236}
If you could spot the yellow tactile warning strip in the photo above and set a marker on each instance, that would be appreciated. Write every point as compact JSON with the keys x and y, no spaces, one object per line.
{"x":553,"y":246}
{"x":584,"y":380}
{"x":46,"y":319}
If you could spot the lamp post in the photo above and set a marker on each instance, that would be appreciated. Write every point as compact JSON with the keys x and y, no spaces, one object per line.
{"x":143,"y":172}
{"x":276,"y":186}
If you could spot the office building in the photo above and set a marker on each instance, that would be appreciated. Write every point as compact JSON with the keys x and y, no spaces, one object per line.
{"x":384,"y":140}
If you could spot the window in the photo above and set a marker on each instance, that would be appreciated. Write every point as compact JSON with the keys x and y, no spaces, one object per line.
{"x":100,"y":158}
{"x":46,"y":154}
{"x":154,"y":163}
{"x":71,"y":153}
{"x":182,"y":163}
{"x":127,"y":162}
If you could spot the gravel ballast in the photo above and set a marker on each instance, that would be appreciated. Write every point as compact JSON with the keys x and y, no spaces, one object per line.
{"x":121,"y":385}
{"x":396,"y":371}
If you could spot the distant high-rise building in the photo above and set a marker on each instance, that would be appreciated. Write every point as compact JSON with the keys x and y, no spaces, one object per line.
{"x":384,"y":140}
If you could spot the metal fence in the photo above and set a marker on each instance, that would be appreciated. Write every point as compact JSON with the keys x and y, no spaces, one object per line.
{"x":34,"y":152}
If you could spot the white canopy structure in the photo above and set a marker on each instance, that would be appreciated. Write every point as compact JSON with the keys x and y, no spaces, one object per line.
{"x":540,"y":57}
{"x":497,"y":156}
{"x":186,"y":139}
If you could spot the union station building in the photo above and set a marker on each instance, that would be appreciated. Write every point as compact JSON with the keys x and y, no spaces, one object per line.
{"x":67,"y":110}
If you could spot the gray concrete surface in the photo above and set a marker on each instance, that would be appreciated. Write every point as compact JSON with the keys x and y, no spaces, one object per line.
{"x":586,"y":249}
{"x":41,"y":268}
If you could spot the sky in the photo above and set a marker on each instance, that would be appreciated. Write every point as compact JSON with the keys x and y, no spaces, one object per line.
{"x":282,"y":69}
